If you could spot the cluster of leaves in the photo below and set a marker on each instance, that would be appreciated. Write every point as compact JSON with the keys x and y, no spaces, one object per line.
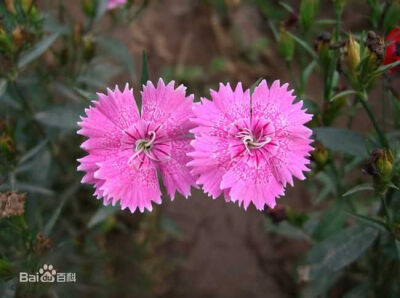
{"x":51,"y":64}
{"x":355,"y":177}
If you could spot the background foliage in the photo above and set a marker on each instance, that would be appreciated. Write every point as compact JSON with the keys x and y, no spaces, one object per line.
{"x":52,"y":63}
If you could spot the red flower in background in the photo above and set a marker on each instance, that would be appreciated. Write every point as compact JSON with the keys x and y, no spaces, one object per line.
{"x":393,"y":48}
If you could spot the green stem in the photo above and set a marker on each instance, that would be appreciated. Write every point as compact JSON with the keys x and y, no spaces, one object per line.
{"x":385,"y":207}
{"x":382,"y":139}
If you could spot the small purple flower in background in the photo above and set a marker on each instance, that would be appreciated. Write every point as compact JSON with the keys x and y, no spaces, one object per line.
{"x":111,"y":4}
{"x":126,"y":149}
{"x":248,"y":147}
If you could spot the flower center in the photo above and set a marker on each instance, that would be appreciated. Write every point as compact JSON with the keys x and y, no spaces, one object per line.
{"x":250,"y":141}
{"x":144,"y":145}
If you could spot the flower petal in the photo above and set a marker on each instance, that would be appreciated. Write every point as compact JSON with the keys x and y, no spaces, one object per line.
{"x":134,"y":187}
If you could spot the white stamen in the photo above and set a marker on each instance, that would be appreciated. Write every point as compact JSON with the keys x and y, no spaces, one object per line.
{"x":249,"y":140}
{"x":144,"y":145}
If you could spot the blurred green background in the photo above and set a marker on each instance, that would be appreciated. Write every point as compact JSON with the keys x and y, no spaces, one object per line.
{"x":54,"y":56}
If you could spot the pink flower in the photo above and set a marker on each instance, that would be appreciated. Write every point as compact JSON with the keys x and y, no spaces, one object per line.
{"x":111,"y":4}
{"x":248,"y":147}
{"x":126,"y":149}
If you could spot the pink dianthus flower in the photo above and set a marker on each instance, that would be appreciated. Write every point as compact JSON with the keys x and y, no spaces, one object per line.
{"x":249,"y":146}
{"x":111,"y":4}
{"x":127,"y":149}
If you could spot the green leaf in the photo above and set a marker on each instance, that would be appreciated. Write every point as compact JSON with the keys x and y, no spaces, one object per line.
{"x":8,"y":289}
{"x":327,"y":22}
{"x":397,"y":243}
{"x":304,"y":45}
{"x":5,"y":268}
{"x":330,"y":223}
{"x":34,"y":189}
{"x":307,"y":72}
{"x":86,"y":94}
{"x":361,"y":187}
{"x":329,"y":186}
{"x":53,"y":219}
{"x":3,"y":86}
{"x":119,"y":51}
{"x":286,"y":6}
{"x":170,"y":227}
{"x":255,"y":84}
{"x":61,"y":117}
{"x":384,"y":68}
{"x":101,"y":8}
{"x":102,"y":214}
{"x":145,"y":69}
{"x":360,"y":291}
{"x":341,"y":94}
{"x":342,"y":140}
{"x":311,"y":106}
{"x":37,"y":50}
{"x":31,"y":153}
{"x":367,"y":220}
{"x":273,"y":30}
{"x":340,"y":250}
{"x":287,"y":230}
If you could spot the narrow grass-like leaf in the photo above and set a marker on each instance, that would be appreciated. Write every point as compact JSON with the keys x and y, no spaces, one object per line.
{"x":60,"y":117}
{"x":342,"y":140}
{"x":31,"y":153}
{"x":341,"y":94}
{"x":170,"y":227}
{"x":361,"y":187}
{"x":286,"y":6}
{"x":307,"y":72}
{"x":255,"y":84}
{"x":53,"y":219}
{"x":340,"y":250}
{"x":85,"y":94}
{"x":37,"y":50}
{"x":304,"y":45}
{"x":102,"y":214}
{"x":367,"y":220}
{"x":101,"y":8}
{"x":145,"y":69}
{"x":119,"y":51}
{"x":3,"y":86}
{"x":385,"y":68}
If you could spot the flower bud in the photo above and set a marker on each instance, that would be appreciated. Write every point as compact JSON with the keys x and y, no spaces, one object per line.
{"x":10,"y":6}
{"x":6,"y":45}
{"x":89,"y":47}
{"x":286,"y":44}
{"x":380,"y":166}
{"x":322,"y":42}
{"x":42,"y":244}
{"x":320,"y":154}
{"x":339,"y":5}
{"x":322,"y":46}
{"x":308,"y":10}
{"x":11,"y":204}
{"x":277,"y":214}
{"x":6,"y":145}
{"x":26,"y":5}
{"x":352,"y":55}
{"x":17,"y":36}
{"x":89,"y":7}
{"x":384,"y":163}
{"x":78,"y":29}
{"x":376,"y":50}
{"x":296,"y":218}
